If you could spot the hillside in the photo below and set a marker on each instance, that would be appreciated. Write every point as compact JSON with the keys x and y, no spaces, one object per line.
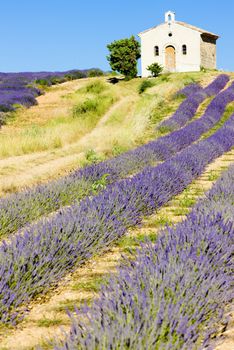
{"x":48,"y":140}
{"x":114,"y":168}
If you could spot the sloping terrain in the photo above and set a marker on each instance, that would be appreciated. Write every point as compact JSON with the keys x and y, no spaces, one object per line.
{"x":129,"y":120}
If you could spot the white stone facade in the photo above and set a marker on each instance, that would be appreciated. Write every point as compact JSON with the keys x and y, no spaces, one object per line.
{"x":177,"y":46}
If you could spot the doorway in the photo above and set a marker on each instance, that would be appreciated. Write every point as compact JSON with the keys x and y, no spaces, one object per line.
{"x":170,"y":58}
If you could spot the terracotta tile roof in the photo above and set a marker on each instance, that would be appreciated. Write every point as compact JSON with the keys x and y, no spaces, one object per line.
{"x":202,"y":31}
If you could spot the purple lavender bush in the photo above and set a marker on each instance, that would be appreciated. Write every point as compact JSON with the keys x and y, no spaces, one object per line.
{"x":173,"y":294}
{"x":190,"y":90}
{"x":188,"y":108}
{"x":39,"y":256}
{"x":19,"y":209}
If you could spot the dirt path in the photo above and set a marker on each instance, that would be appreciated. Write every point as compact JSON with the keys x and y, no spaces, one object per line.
{"x":113,"y":109}
{"x":21,"y":171}
{"x":26,"y":170}
{"x":48,"y":313}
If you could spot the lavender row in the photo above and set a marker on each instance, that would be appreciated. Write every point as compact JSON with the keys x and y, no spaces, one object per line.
{"x":190,"y":89}
{"x":164,"y":147}
{"x":174,"y":292}
{"x":41,"y":255}
{"x":188,"y":108}
{"x":19,"y":209}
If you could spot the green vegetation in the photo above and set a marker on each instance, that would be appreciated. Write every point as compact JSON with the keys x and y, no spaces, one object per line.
{"x":155,"y":69}
{"x":145,"y":85}
{"x":96,"y":87}
{"x":96,"y":72}
{"x":123,"y":56}
{"x":92,"y":285}
{"x":46,"y":322}
{"x":93,"y":109}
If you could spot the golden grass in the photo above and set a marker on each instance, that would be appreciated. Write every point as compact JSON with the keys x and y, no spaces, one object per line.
{"x":53,"y":124}
{"x":63,"y":141}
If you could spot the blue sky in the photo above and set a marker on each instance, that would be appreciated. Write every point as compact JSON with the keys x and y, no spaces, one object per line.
{"x":66,"y":34}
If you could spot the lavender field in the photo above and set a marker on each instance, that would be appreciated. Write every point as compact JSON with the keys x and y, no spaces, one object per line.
{"x":172,"y":292}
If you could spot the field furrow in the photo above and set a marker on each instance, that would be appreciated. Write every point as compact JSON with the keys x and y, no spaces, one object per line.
{"x":20,"y":209}
{"x":78,"y":227}
{"x":48,"y":314}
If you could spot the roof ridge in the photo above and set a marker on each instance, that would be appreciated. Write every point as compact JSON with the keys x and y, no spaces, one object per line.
{"x":190,"y":26}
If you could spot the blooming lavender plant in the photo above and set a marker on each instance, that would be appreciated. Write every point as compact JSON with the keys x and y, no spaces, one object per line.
{"x":21,"y":208}
{"x":40,"y":256}
{"x":173,"y":294}
{"x":188,"y":108}
{"x":190,"y":90}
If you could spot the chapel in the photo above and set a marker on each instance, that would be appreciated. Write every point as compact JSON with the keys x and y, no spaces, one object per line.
{"x":177,"y":46}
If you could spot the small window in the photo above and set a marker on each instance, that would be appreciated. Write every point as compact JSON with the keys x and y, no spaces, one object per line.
{"x":169,"y":18}
{"x":170,"y":34}
{"x":184,"y":50}
{"x":156,"y":51}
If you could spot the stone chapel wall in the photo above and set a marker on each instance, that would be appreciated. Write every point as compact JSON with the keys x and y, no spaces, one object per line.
{"x":208,"y":52}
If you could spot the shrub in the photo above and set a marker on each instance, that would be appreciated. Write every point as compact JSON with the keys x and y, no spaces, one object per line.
{"x":84,"y":107}
{"x":43,"y":82}
{"x":155,"y":69}
{"x":145,"y":84}
{"x":57,"y":80}
{"x":95,"y":73}
{"x":75,"y":75}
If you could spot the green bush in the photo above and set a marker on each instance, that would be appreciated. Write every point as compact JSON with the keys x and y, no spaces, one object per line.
{"x":155,"y":69}
{"x":43,"y":82}
{"x":93,"y":108}
{"x":91,"y":156}
{"x":75,"y":75}
{"x":89,"y":105}
{"x":145,"y":84}
{"x":57,"y":80}
{"x":95,"y":73}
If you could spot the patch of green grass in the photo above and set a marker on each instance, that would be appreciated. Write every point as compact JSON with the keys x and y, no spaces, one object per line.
{"x":46,"y":322}
{"x":165,"y":77}
{"x":164,"y":109}
{"x":152,"y":236}
{"x":117,"y":149}
{"x":187,"y":201}
{"x":127,"y":242}
{"x":96,"y":87}
{"x":159,"y":220}
{"x":93,"y":108}
{"x":145,"y":84}
{"x":47,"y":344}
{"x":92,"y":285}
{"x":213,"y":175}
{"x":130,"y":243}
{"x":180,"y":211}
{"x":70,"y":304}
{"x":228,"y":112}
{"x":164,"y":129}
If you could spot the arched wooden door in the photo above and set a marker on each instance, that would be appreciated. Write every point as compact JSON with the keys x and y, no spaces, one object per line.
{"x":170,"y":58}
